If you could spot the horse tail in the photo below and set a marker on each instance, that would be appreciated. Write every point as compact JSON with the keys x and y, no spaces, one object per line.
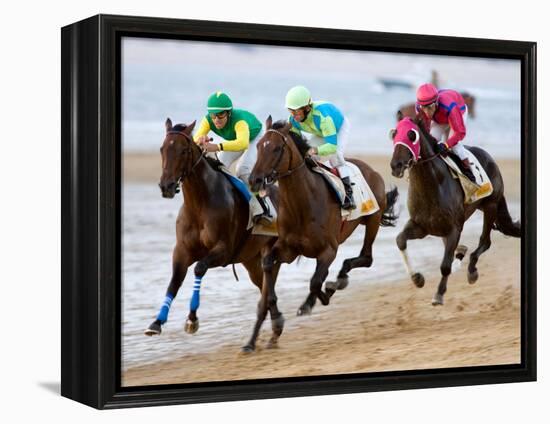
{"x":389,"y":216}
{"x":504,"y":222}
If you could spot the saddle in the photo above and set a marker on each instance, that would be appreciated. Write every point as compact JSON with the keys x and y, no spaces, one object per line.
{"x":472,"y":191}
{"x":363,"y":195}
{"x":254,"y":207}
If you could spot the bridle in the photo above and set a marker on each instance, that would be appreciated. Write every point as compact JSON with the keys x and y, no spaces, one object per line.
{"x":275,"y":175}
{"x":189,"y":155}
{"x":413,"y":161}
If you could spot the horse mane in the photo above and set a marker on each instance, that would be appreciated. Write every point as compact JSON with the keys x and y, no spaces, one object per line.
{"x":214,"y":162}
{"x":299,"y":140}
{"x":423,"y":131}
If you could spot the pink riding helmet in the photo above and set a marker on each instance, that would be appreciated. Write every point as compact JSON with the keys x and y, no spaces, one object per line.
{"x":426,"y":94}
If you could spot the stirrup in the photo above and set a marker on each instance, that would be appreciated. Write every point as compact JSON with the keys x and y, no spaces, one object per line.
{"x":349,"y":204}
{"x":470,"y":176}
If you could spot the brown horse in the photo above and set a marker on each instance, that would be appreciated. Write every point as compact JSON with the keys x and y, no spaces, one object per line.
{"x":211,"y":228}
{"x":410,"y":108}
{"x":309,"y":218}
{"x":436,"y":201}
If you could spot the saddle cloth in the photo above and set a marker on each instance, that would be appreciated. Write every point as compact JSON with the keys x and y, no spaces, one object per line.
{"x":362,"y":194}
{"x":254,"y":207}
{"x":472,"y":191}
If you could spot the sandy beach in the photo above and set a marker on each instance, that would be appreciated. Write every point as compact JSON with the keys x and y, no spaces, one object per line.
{"x":370,"y":327}
{"x":145,"y":167}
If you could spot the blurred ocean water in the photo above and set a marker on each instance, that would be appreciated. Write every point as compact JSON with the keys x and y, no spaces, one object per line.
{"x":174,"y":78}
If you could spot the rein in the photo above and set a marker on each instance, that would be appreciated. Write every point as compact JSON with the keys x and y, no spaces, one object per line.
{"x":428,"y":159}
{"x":189,"y":149}
{"x":275,"y":175}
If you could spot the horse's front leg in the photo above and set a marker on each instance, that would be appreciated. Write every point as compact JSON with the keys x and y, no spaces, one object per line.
{"x":180,"y":264}
{"x":324,"y":260}
{"x":214,"y":258}
{"x":411,"y":231}
{"x":271,"y":263}
{"x":451,"y":242}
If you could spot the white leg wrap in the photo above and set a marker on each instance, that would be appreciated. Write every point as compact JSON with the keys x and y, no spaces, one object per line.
{"x":456,"y":265}
{"x":406,"y":261}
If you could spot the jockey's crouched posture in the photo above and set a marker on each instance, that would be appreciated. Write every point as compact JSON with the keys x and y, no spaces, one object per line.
{"x":330,"y":131}
{"x":240,"y":129}
{"x":444,"y":114}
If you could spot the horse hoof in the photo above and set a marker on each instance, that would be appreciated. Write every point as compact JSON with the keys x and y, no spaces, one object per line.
{"x":191,"y":327}
{"x":304,"y":310}
{"x":153,"y":330}
{"x":272,"y":344}
{"x":342,"y":282}
{"x":324,"y":298}
{"x":247,"y":349}
{"x":437,"y":299}
{"x":277,"y":325}
{"x":331,"y":286}
{"x":460,"y":252}
{"x":472,"y":277}
{"x":418,"y":279}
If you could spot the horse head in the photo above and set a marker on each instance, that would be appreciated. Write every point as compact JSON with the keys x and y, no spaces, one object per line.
{"x":278,"y":154}
{"x":179,"y":156}
{"x":410,"y":143}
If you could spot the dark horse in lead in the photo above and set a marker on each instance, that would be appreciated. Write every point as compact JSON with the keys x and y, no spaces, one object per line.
{"x":211,"y":228}
{"x":436,"y":201}
{"x":309,"y":218}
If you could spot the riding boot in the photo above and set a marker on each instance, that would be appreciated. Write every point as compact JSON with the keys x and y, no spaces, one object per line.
{"x":467,"y":169}
{"x":349,"y":203}
{"x":265,"y":218}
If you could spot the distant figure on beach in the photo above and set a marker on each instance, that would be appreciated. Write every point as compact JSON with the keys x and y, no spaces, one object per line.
{"x":444,"y":115}
{"x":240,"y":129}
{"x":330,"y":131}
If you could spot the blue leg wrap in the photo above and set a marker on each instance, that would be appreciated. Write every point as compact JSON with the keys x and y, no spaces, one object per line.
{"x":165,"y":308}
{"x":195,"y":298}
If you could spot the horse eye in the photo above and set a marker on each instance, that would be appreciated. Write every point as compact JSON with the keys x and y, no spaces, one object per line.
{"x":277,"y":149}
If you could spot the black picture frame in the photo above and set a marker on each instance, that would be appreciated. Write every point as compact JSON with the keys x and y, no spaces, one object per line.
{"x":91,"y":210}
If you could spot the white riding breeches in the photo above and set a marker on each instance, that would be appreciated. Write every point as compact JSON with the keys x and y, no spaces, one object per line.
{"x":244,"y":160}
{"x":336,"y":159}
{"x":442,"y":132}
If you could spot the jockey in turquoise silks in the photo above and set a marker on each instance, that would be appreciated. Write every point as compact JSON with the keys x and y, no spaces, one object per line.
{"x":329,"y":129}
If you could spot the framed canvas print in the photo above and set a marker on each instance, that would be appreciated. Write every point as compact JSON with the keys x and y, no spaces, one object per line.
{"x":254,"y":211}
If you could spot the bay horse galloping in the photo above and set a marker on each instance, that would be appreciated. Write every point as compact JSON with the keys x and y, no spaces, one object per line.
{"x":211,"y":228}
{"x":436,"y":201}
{"x":309,"y":217}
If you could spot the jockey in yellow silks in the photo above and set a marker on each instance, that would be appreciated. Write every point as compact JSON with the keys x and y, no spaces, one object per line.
{"x":240,"y":129}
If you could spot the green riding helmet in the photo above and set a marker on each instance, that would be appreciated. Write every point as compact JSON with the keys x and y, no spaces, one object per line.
{"x":219,"y":102}
{"x":298,"y":97}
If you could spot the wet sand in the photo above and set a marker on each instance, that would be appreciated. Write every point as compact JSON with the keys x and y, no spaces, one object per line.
{"x":372,"y":327}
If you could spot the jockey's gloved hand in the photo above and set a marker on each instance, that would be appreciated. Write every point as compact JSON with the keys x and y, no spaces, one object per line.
{"x":441,"y":148}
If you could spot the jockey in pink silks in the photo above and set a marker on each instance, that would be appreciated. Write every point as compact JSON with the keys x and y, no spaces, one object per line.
{"x":444,"y":113}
